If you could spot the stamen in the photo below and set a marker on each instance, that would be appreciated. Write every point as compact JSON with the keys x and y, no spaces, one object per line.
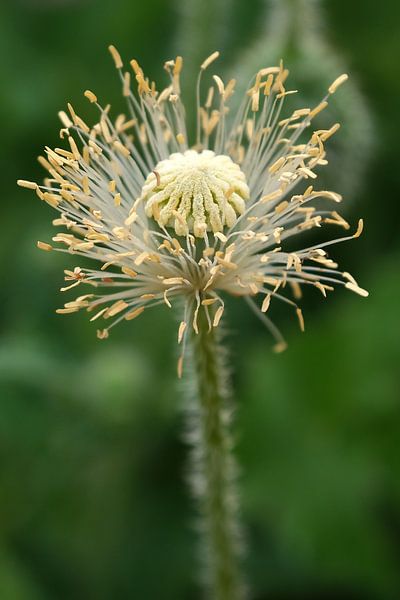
{"x":235,"y":182}
{"x":209,"y":60}
{"x":90,"y":96}
{"x":116,"y":57}
{"x":44,"y":246}
{"x":218,"y":315}
{"x":338,"y":82}
{"x":30,"y":185}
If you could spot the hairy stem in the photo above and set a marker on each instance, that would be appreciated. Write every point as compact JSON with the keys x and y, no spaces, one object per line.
{"x":212,"y":472}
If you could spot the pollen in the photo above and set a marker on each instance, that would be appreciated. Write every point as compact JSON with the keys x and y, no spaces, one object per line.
{"x":196,"y":192}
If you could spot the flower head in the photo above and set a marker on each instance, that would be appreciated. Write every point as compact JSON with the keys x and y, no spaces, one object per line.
{"x":166,"y":219}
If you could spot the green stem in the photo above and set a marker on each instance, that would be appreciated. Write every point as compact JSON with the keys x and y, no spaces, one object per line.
{"x":213,"y":470}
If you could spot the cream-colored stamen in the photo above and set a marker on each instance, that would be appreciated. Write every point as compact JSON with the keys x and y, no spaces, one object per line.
{"x":195,"y":191}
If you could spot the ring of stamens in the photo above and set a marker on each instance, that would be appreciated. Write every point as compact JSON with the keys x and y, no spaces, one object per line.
{"x":195,"y":192}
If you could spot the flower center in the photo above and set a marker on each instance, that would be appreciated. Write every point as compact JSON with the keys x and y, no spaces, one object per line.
{"x":195,"y":192}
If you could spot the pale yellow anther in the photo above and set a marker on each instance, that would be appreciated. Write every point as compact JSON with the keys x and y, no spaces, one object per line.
{"x":126,"y":90}
{"x":102,"y":334}
{"x":218,"y":315}
{"x":64,"y":118}
{"x":266,"y":303}
{"x":136,"y":67}
{"x":30,"y":185}
{"x":360,"y":228}
{"x":116,"y":57}
{"x":44,"y":246}
{"x":209,"y":60}
{"x":134,"y":313}
{"x":90,"y":96}
{"x":195,"y":192}
{"x":220,"y":84}
{"x":300,"y":318}
{"x":338,"y":82}
{"x":181,"y":331}
{"x":178,"y":65}
{"x":356,"y":289}
{"x":321,"y":106}
{"x":121,"y":148}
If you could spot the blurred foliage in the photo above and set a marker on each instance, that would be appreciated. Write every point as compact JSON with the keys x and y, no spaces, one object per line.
{"x":92,"y":502}
{"x":295,"y":30}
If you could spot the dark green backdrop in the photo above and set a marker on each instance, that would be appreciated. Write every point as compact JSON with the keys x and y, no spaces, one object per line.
{"x":92,"y":503}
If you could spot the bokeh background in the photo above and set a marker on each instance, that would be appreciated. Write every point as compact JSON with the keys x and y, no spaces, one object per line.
{"x":92,"y":500}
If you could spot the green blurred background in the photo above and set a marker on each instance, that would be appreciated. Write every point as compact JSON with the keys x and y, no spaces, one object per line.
{"x":92,"y":502}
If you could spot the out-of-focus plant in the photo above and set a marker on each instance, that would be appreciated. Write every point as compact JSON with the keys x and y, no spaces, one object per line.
{"x":296,"y":31}
{"x":201,"y":28}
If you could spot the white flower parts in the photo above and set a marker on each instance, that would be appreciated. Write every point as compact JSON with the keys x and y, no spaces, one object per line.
{"x":165,"y":219}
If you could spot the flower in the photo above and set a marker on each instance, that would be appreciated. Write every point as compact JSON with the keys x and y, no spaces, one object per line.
{"x":166,"y":220}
